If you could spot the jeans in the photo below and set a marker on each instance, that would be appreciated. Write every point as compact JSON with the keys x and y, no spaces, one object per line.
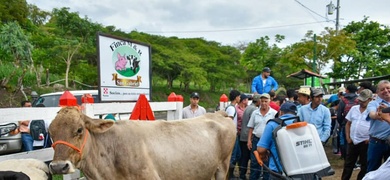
{"x":245,"y":156}
{"x":377,"y":151}
{"x":27,"y":142}
{"x":255,"y":167}
{"x":343,"y":142}
{"x":236,"y":154}
{"x":353,"y":152}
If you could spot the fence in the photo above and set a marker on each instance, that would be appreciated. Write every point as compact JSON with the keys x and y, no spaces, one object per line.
{"x":173,"y":109}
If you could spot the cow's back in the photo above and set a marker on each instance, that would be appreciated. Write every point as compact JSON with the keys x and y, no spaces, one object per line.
{"x":179,"y":149}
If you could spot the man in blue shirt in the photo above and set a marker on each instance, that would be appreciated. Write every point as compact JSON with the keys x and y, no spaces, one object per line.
{"x":379,"y":131}
{"x":267,"y":142}
{"x":317,"y":114}
{"x":264,"y":83}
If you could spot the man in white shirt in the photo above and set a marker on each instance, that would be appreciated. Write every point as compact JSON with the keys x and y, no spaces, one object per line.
{"x":357,"y":135}
{"x":256,"y":125}
{"x":194,"y":109}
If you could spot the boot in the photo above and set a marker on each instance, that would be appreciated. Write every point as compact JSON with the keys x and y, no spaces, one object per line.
{"x":231,"y":173}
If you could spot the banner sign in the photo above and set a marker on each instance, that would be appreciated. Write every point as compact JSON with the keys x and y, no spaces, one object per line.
{"x":124,"y":69}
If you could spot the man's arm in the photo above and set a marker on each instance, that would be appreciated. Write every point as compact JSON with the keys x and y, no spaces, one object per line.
{"x":348,"y":131}
{"x":254,"y":84}
{"x":249,"y":143}
{"x":275,"y":85}
{"x":263,"y":154}
{"x":326,"y":126}
{"x":376,"y":110}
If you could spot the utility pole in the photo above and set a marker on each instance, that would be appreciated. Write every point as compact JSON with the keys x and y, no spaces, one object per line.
{"x":337,"y":16}
{"x":332,"y":8}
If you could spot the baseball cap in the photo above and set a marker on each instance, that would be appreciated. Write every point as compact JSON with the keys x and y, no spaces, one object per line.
{"x":304,"y":90}
{"x":288,"y":107}
{"x":265,"y":95}
{"x":341,"y":89}
{"x":317,"y":92}
{"x":194,"y":95}
{"x":243,"y":97}
{"x":364,"y":95}
{"x":256,"y":97}
{"x":267,"y":69}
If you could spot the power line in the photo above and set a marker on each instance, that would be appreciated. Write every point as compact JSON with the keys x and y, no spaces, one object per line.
{"x":230,"y":30}
{"x":310,"y":10}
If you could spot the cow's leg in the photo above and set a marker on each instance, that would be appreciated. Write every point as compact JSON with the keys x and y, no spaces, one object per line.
{"x":222,"y":169}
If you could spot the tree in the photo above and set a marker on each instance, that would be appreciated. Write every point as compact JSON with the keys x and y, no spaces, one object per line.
{"x":15,"y":10}
{"x":329,"y":49}
{"x":37,"y":16}
{"x":14,"y":42}
{"x":371,"y":56}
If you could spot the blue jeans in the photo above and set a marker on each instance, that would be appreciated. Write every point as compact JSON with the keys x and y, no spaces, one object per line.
{"x":236,"y":154}
{"x":27,"y":142}
{"x":377,"y":151}
{"x":256,"y":169}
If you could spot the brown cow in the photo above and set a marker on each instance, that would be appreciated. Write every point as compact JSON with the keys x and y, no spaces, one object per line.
{"x":192,"y":149}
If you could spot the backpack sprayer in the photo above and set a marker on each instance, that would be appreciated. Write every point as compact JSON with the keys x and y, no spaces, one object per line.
{"x":300,"y":151}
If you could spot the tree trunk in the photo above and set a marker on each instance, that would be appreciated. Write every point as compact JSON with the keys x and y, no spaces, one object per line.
{"x":5,"y":80}
{"x":186,"y":86}
{"x":68,"y":62}
{"x":67,"y":74}
{"x":47,"y":77}
{"x":20,"y":84}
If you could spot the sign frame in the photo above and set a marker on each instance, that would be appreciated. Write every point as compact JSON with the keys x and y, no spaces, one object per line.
{"x":122,"y":78}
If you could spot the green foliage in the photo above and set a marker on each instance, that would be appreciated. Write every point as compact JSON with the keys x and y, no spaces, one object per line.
{"x":14,"y":42}
{"x":15,"y":10}
{"x":6,"y":69}
{"x":88,"y":73}
{"x":371,"y":55}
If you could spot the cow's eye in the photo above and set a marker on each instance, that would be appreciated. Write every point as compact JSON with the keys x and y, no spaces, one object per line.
{"x":79,"y":131}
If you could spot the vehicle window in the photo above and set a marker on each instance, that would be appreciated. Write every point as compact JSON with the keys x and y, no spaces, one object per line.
{"x":48,"y":101}
{"x":53,"y":100}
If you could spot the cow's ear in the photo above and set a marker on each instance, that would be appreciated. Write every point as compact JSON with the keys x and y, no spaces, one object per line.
{"x":98,"y":125}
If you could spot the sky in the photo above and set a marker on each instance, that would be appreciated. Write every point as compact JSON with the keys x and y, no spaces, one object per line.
{"x":223,"y":21}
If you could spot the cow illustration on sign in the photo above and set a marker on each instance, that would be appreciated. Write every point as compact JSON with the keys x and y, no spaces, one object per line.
{"x":134,"y":63}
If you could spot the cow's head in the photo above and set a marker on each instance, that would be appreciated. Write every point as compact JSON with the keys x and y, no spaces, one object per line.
{"x":70,"y":132}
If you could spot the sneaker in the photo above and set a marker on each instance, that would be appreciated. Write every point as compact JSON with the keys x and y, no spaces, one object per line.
{"x":356,"y":167}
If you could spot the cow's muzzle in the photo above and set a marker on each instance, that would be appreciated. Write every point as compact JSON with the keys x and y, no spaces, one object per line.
{"x":61,"y":167}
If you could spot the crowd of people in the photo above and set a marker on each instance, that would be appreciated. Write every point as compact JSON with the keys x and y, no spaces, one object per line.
{"x":351,"y":121}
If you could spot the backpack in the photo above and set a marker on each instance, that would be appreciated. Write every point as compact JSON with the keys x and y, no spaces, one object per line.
{"x":37,"y":128}
{"x":281,"y":122}
{"x":235,"y":112}
{"x":348,"y":105}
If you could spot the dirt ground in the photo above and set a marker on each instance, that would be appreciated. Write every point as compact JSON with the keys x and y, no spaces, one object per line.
{"x":337,"y":164}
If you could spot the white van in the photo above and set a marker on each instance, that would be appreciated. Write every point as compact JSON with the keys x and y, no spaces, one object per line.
{"x":53,"y":99}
